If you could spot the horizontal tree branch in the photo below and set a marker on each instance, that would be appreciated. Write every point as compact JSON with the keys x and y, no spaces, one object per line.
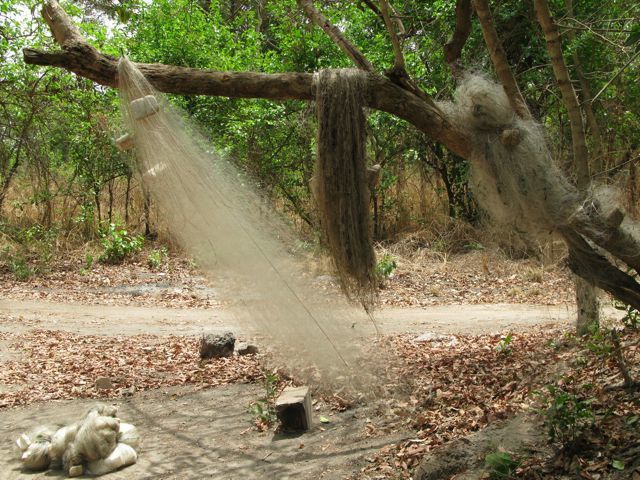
{"x":79,"y":57}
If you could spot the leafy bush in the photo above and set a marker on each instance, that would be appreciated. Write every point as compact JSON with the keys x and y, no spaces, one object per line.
{"x":26,"y":251}
{"x":500,"y":465}
{"x":386,"y":266}
{"x":20,"y":268}
{"x":157,"y":257}
{"x":117,"y":245}
{"x":264,"y":409}
{"x":504,"y":347}
{"x":631,"y":318}
{"x":567,"y":417}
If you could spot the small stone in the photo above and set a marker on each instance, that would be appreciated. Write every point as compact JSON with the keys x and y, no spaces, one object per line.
{"x":293,"y":408}
{"x":127,"y":392}
{"x":217,"y":346}
{"x":247,"y":349}
{"x":437,"y":339}
{"x":104,"y":383}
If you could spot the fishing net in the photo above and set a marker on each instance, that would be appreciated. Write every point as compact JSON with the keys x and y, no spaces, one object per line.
{"x":215,"y":214}
{"x":340,"y":179}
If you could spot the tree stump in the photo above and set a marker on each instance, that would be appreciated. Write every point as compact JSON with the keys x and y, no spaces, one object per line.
{"x":293,"y":409}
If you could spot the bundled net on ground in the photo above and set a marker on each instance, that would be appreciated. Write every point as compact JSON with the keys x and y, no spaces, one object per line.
{"x":213,"y":212}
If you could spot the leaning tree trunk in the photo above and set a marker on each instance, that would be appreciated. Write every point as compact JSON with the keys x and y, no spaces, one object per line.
{"x":588,"y":316}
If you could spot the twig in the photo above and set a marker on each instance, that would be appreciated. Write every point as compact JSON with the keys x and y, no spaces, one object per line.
{"x":616,"y":76}
{"x":335,"y":35}
{"x":398,"y":62}
{"x":620,"y":360}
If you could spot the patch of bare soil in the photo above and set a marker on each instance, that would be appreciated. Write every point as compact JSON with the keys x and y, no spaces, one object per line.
{"x":191,"y":435}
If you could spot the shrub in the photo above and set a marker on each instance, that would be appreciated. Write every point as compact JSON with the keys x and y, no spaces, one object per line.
{"x":157,"y":257}
{"x":500,"y":465}
{"x":117,"y":245}
{"x":567,"y":417}
{"x":386,"y":266}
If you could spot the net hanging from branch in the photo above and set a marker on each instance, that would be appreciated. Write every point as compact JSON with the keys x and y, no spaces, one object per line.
{"x":513,"y":174}
{"x":340,"y":179}
{"x":214,"y":213}
{"x":516,"y":180}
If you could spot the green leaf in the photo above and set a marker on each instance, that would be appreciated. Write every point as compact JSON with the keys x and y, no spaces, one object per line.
{"x":324,"y":419}
{"x":634,"y":36}
{"x":617,"y":464}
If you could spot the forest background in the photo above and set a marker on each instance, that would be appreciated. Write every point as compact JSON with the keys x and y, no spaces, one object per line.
{"x":64,"y":184}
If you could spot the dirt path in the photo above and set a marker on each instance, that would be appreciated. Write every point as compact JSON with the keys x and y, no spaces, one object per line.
{"x":21,"y":315}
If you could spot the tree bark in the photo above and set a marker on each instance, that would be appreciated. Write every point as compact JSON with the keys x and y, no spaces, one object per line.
{"x":569,"y":98}
{"x":586,"y":295}
{"x":453,"y":49}
{"x":499,"y":59}
{"x":587,"y":97}
{"x":84,"y":60}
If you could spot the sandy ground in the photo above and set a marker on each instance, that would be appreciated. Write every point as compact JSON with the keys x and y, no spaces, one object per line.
{"x":21,"y":315}
{"x":206,"y":434}
{"x":196,"y":434}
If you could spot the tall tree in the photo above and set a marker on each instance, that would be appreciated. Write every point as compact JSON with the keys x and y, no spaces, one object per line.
{"x":397,"y":94}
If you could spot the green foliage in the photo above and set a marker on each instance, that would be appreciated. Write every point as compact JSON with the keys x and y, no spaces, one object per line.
{"x":634,"y":37}
{"x":264,"y":408}
{"x":501,"y":465}
{"x":567,"y":417}
{"x":474,"y":246}
{"x":157,"y":257}
{"x":117,"y":245}
{"x":599,"y":342}
{"x":88,"y":264}
{"x":26,"y":251}
{"x":386,"y":266}
{"x":18,"y":267}
{"x":631,"y":317}
{"x":57,"y":129}
{"x":617,"y":464}
{"x":504,"y":346}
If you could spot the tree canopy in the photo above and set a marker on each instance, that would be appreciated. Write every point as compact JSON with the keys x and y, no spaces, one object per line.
{"x":231,"y":50}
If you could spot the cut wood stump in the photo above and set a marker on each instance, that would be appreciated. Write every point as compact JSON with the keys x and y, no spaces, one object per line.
{"x":293,"y":408}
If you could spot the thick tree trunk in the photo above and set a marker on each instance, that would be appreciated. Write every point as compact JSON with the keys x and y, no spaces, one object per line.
{"x":586,"y":294}
{"x":588,"y":306}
